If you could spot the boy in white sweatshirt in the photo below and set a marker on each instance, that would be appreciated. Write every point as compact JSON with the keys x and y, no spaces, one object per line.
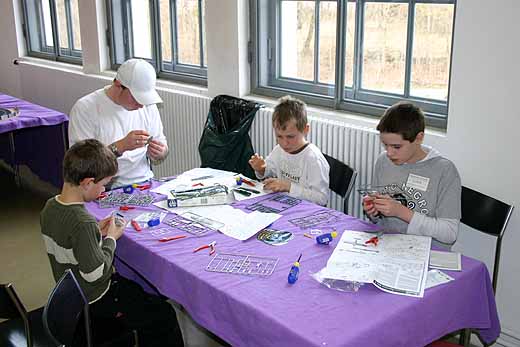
{"x":294,"y":165}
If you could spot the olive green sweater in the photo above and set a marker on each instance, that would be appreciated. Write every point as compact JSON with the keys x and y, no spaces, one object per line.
{"x":73,"y":241}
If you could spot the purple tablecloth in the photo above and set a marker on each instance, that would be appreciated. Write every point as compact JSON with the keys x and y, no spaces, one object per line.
{"x":38,"y":136}
{"x":253,"y":311}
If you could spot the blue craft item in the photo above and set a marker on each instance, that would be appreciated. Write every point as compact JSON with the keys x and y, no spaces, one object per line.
{"x":239,"y":180}
{"x":325,"y":239}
{"x":128,"y":189}
{"x":153,"y":222}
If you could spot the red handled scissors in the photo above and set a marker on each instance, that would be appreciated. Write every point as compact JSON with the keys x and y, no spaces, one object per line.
{"x":373,"y":240}
{"x":211,"y":247}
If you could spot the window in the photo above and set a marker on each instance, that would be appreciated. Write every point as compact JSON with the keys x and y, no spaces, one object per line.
{"x":356,"y":55}
{"x":168,"y":33}
{"x":51,"y":29}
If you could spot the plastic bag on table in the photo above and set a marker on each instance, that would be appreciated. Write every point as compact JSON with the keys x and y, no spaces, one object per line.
{"x":341,"y":285}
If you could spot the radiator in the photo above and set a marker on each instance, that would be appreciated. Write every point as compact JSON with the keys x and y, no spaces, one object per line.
{"x":184,"y":116}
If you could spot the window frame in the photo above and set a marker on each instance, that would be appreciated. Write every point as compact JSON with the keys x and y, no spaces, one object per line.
{"x":266,"y":63}
{"x":179,"y":72}
{"x":55,"y":53}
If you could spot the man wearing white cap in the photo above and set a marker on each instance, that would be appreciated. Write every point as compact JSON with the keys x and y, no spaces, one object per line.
{"x":124,"y":116}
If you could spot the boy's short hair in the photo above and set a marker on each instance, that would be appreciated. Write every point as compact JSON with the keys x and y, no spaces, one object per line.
{"x":402,"y":118}
{"x":289,"y":108}
{"x":88,"y":159}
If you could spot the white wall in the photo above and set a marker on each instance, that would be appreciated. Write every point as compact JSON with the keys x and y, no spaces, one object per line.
{"x":484,"y":119}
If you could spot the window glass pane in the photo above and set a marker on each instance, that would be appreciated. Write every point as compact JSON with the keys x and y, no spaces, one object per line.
{"x":188,"y":32}
{"x":205,"y":56}
{"x":431,"y":50}
{"x":297,"y":39}
{"x":76,"y":34}
{"x":62,"y":24}
{"x":141,"y":29}
{"x":384,"y":47}
{"x":327,"y":43}
{"x":349,"y":46}
{"x":166,"y":39}
{"x":47,"y":23}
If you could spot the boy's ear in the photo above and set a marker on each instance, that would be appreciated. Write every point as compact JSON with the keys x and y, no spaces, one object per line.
{"x":84,"y":183}
{"x":307,"y":129}
{"x":419,"y":138}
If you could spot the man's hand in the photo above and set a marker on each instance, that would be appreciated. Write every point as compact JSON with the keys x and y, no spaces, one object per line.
{"x":277,"y":185}
{"x":134,"y":139}
{"x":257,"y":162}
{"x":156,"y":151}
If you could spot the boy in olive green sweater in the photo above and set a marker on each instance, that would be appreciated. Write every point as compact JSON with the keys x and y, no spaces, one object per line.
{"x":75,"y":240}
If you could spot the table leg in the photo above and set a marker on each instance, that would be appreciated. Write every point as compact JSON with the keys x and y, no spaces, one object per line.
{"x":16,"y":167}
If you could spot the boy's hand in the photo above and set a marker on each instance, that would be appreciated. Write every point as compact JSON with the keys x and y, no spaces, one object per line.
{"x":103,"y":225}
{"x":156,"y":150}
{"x":368,"y":206}
{"x":277,"y":185}
{"x":257,"y":162}
{"x":114,"y":230}
{"x":389,"y":207}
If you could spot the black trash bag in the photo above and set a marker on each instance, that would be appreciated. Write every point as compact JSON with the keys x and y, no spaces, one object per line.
{"x":225,"y":143}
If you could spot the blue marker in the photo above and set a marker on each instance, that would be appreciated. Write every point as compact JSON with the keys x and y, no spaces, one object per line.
{"x":295,"y":270}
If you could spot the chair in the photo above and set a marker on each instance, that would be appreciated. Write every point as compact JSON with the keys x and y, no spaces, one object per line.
{"x":64,"y":310}
{"x":487,"y":215}
{"x":341,"y":179}
{"x":22,"y":328}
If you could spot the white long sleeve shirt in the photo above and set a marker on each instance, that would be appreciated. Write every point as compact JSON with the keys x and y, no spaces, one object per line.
{"x":308,"y":172}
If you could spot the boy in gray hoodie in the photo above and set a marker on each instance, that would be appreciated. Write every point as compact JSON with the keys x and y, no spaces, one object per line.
{"x":419,"y":189}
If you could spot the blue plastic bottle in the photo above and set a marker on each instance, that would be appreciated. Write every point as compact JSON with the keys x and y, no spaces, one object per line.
{"x":295,"y":270}
{"x":325,"y":239}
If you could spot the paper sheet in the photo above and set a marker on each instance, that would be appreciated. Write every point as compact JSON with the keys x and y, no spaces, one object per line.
{"x":208,"y":177}
{"x":445,"y":260}
{"x":398,"y":264}
{"x":236,"y":223}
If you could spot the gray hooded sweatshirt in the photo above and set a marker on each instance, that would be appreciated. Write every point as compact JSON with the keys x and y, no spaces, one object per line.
{"x":431,"y":188}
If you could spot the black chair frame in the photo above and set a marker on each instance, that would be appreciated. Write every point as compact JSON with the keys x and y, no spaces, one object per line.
{"x":341,"y":179}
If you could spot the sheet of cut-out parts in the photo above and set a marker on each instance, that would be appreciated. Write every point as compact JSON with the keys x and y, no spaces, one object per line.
{"x":186,"y":225}
{"x":310,"y":221}
{"x":274,"y":204}
{"x":242,"y":264}
{"x":119,"y":199}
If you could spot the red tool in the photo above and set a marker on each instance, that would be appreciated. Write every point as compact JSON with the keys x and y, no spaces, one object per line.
{"x":373,"y":240}
{"x":197,"y":184}
{"x":166,"y":239}
{"x":101,"y":196}
{"x":144,"y":186}
{"x":211,"y":247}
{"x":126,"y":208}
{"x":248,"y":182}
{"x":136,"y":225}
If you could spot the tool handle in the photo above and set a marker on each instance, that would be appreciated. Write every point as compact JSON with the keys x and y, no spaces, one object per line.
{"x":293,"y":274}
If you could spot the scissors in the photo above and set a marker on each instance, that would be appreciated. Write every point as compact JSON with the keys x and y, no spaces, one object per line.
{"x":211,"y":247}
{"x":373,"y":240}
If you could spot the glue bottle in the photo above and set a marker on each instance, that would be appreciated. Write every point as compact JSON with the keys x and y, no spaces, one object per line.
{"x":325,"y":239}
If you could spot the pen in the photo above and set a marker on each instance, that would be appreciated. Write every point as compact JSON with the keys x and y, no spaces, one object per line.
{"x":250,"y":190}
{"x":166,"y":239}
{"x":201,"y":178}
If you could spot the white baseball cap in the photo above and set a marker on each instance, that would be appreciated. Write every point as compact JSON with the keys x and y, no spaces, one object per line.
{"x":139,"y":76}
